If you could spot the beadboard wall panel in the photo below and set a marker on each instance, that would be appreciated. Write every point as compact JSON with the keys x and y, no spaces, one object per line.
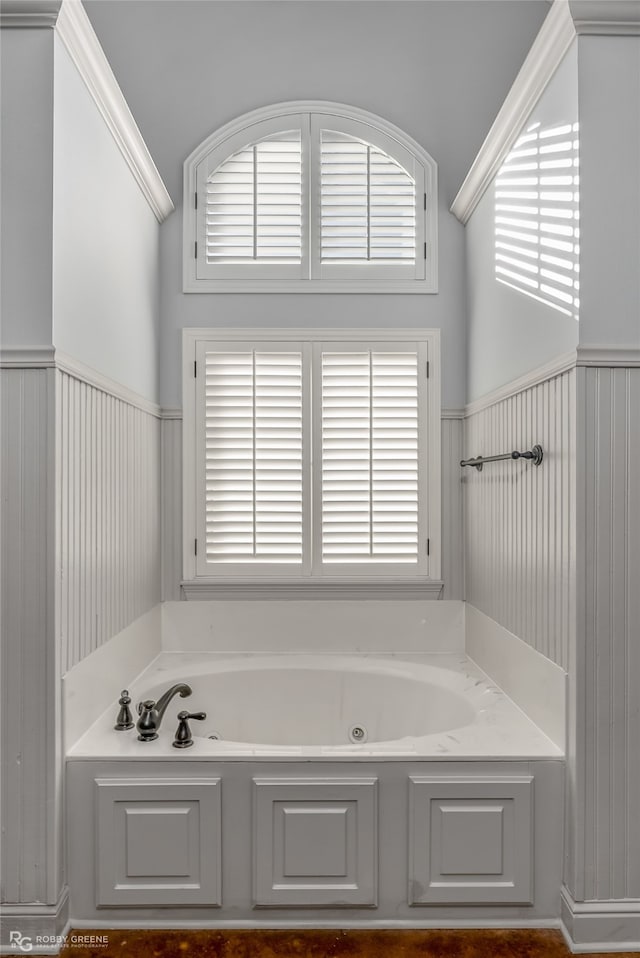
{"x":519,"y":518}
{"x":171,"y":480}
{"x":452,"y":516}
{"x":605,"y":856}
{"x":30,"y":697}
{"x":108,"y":515}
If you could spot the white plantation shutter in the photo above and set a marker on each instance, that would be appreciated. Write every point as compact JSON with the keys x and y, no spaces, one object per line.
{"x":310,"y":459}
{"x":536,"y":217}
{"x":367,"y":204}
{"x":253,"y":456}
{"x":254,"y":204}
{"x":289,"y":199}
{"x":370,"y":459}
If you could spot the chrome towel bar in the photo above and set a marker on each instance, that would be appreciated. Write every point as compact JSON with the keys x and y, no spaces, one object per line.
{"x":534,"y":454}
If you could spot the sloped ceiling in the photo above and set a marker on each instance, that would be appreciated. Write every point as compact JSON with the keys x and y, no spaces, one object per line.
{"x":439,"y":69}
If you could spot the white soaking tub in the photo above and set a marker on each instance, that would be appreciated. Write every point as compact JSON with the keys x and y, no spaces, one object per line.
{"x":288,"y":817}
{"x":329,"y":706}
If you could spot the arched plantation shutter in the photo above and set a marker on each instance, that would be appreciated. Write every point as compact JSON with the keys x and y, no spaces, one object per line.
{"x":254,"y":204}
{"x":367,"y":204}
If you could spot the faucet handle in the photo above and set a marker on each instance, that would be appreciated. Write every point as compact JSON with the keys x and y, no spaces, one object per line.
{"x":183,"y":737}
{"x":124,"y":719}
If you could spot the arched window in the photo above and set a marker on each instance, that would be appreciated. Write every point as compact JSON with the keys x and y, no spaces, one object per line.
{"x":310,"y":197}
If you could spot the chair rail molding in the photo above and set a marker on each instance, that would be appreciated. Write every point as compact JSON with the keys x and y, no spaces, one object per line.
{"x":555,"y":367}
{"x":611,"y":356}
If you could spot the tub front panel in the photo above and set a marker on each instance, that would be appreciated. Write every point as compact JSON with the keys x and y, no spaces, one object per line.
{"x":329,"y":843}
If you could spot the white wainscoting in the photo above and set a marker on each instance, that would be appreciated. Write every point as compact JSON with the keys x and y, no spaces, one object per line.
{"x":604,"y":779}
{"x":30,"y":703}
{"x":452,"y":515}
{"x":108,"y":515}
{"x":171,"y":484}
{"x":519,"y":518}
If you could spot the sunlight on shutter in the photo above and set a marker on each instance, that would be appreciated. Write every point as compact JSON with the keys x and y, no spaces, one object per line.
{"x":253,"y":426}
{"x":254,"y":204}
{"x":369,"y":456}
{"x":367,"y":204}
{"x":536,"y":217}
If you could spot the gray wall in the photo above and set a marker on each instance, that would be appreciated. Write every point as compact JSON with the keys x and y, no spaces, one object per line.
{"x":27,"y":184}
{"x":105,"y":245}
{"x":610,"y":184}
{"x":438,"y":70}
{"x":509,"y":333}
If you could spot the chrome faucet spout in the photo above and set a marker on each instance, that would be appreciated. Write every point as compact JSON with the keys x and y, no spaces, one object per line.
{"x":151,"y":713}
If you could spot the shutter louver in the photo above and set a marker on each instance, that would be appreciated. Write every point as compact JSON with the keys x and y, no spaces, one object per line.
{"x":536,"y":217}
{"x":367,"y":204}
{"x":369,"y":457}
{"x":253,"y":428}
{"x":254,"y":204}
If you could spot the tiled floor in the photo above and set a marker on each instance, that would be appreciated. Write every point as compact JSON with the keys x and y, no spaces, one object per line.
{"x":511,"y":943}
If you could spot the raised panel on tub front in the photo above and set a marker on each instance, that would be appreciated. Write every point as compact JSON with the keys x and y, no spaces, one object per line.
{"x":315,"y":842}
{"x":158,"y":842}
{"x":470,"y":841}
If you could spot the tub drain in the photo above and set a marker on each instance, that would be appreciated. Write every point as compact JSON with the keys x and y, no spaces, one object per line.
{"x":358,"y":734}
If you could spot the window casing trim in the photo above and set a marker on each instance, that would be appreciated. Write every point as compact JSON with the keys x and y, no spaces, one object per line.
{"x":332,"y":582}
{"x":222,"y":143}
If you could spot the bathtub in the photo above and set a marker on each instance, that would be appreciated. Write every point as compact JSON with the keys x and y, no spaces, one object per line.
{"x":327,"y":706}
{"x":332,"y":784}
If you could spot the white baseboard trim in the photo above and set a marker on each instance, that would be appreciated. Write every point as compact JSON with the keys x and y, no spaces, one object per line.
{"x":595,"y":926}
{"x":42,"y":928}
{"x":314,"y":923}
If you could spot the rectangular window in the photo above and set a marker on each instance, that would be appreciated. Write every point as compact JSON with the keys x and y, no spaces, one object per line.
{"x":310,"y":459}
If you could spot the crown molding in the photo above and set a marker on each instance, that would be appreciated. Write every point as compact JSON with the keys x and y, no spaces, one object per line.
{"x":29,"y":13}
{"x":606,"y":17}
{"x":549,"y":48}
{"x":566,"y":20}
{"x":74,"y":29}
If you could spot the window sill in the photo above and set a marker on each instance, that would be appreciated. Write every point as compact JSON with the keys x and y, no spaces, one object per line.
{"x":343,"y":588}
{"x":378,"y":286}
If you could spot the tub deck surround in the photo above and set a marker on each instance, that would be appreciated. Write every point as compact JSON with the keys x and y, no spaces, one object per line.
{"x":471,"y":718}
